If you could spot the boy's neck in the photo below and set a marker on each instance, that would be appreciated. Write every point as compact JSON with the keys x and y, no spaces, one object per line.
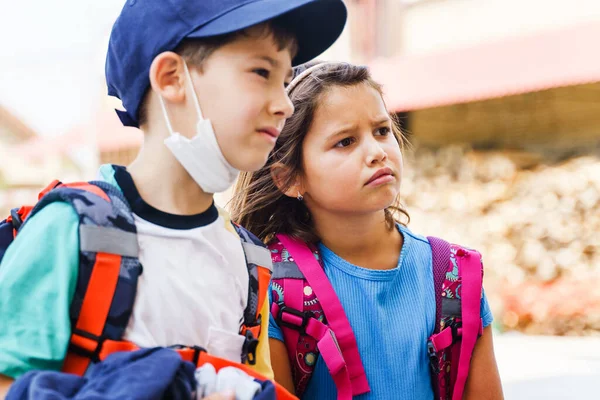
{"x":363,"y":240}
{"x":163,"y":183}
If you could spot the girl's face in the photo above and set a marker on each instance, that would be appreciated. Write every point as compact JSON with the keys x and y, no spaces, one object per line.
{"x":352,"y":161}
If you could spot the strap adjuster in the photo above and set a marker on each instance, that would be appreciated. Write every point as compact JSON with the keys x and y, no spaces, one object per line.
{"x":304,"y":315}
{"x":80,"y":350}
{"x":254,"y":326}
{"x":197,"y":351}
{"x":454,"y":326}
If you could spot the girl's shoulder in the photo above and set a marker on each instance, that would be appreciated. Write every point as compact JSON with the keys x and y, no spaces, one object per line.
{"x":412,"y":236}
{"x":406,"y":230}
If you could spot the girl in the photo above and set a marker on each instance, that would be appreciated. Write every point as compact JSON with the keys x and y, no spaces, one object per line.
{"x":333,"y":181}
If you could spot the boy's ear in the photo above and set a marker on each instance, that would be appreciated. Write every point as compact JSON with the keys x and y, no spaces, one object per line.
{"x":167,"y":77}
{"x":280,"y":175}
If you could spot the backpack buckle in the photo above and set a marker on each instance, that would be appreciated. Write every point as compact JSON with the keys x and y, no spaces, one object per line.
{"x":305,"y":316}
{"x":454,"y":326}
{"x":434,"y":360}
{"x":432,"y":353}
{"x":16,"y":219}
{"x":249,"y":348}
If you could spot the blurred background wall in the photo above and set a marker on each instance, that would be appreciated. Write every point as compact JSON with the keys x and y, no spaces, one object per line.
{"x":499,"y":99}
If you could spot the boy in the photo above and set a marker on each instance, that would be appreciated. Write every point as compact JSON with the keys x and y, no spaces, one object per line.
{"x":214,"y":71}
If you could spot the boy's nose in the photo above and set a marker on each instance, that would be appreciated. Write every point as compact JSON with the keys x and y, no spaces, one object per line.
{"x":282,"y":105}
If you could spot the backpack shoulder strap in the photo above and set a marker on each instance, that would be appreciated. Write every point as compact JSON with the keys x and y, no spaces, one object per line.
{"x":440,"y":252}
{"x":18,"y":215}
{"x":337,"y":343}
{"x":458,"y":320}
{"x":13,"y":223}
{"x":108,"y":268}
{"x":260,"y":268}
{"x":471,"y":273}
{"x":294,"y":306}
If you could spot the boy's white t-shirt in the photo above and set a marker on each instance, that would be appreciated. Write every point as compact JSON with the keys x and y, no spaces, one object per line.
{"x":194,"y":286}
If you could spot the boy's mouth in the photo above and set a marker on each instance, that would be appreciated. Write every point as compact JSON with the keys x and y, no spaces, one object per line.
{"x":270,"y":131}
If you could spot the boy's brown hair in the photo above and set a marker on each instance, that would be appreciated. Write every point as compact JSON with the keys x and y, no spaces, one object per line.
{"x":258,"y":204}
{"x":196,"y":51}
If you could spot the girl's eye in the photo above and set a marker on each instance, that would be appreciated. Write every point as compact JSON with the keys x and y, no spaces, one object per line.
{"x":383,"y":131}
{"x":345,"y":142}
{"x":265,"y":73}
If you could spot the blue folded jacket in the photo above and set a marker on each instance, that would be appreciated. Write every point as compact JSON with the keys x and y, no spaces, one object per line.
{"x":267,"y":392}
{"x":155,"y":373}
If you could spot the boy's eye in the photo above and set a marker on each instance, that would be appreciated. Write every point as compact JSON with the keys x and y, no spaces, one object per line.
{"x":345,"y":142}
{"x":265,"y":73}
{"x":383,"y":131}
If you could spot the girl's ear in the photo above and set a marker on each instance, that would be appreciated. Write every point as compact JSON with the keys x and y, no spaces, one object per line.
{"x":281,"y":175}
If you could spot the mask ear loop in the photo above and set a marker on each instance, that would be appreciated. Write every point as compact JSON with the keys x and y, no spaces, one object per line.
{"x":164,"y":109}
{"x":196,"y":102}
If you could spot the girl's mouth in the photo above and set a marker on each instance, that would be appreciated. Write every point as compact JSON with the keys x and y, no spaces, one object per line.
{"x":382,"y":176}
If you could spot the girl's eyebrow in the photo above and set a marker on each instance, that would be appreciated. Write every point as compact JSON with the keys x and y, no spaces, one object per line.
{"x":381,"y":120}
{"x":342,"y":130}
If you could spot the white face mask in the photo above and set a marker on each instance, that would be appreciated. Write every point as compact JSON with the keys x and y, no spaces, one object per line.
{"x":201,"y":156}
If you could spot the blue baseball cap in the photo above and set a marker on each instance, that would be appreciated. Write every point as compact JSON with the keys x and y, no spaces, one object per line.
{"x":146,"y":28}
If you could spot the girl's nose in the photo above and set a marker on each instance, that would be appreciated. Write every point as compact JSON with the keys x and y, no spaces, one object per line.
{"x":376,"y":153}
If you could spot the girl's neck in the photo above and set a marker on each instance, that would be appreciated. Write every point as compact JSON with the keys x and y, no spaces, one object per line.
{"x":163,"y":183}
{"x":364,"y":240}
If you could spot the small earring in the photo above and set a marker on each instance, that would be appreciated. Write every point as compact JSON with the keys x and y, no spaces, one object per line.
{"x":300,"y":197}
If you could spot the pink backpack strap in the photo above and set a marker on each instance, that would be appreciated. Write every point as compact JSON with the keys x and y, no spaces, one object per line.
{"x":327,"y":344}
{"x":296,"y":309}
{"x":337,"y":339}
{"x":458,"y":320}
{"x":470,"y":267}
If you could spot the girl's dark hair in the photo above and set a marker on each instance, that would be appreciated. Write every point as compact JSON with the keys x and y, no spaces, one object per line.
{"x":258,"y":204}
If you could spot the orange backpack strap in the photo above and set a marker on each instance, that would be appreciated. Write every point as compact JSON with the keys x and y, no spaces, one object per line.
{"x":86,"y":339}
{"x":198,"y":356}
{"x":260,"y":268}
{"x":108,"y":268}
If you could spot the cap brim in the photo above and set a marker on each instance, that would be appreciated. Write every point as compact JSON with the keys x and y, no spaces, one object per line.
{"x":317,"y":24}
